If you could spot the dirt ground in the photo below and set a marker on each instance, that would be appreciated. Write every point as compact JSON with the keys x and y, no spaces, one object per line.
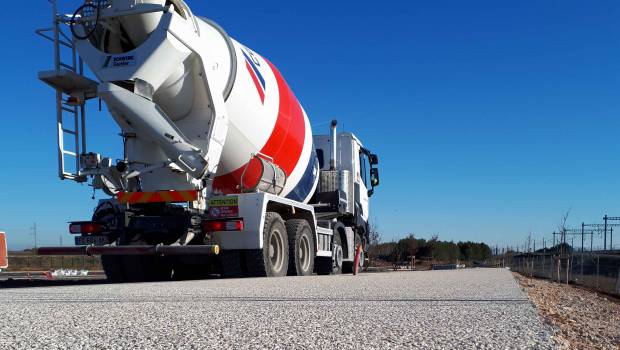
{"x":581,"y":319}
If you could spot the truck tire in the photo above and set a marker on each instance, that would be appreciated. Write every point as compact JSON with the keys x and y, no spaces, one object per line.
{"x":301,"y":247}
{"x":230,"y":264}
{"x":113,"y":265}
{"x":347,"y":266}
{"x":323,"y":265}
{"x":113,"y":268}
{"x":272,"y":260}
{"x":337,"y":262}
{"x":331,"y":265}
{"x":146,"y":268}
{"x":193,"y":268}
{"x":142,"y":268}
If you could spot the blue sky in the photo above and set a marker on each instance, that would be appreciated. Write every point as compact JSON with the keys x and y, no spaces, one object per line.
{"x":490,"y":118}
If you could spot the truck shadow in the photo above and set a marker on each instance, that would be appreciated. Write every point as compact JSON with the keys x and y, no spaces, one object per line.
{"x":31,"y":283}
{"x":40,"y":282}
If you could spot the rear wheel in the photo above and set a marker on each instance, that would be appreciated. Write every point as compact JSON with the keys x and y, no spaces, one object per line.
{"x":230,"y":264}
{"x":113,"y":265}
{"x":192,"y":267}
{"x":272,"y":260}
{"x":113,"y":268}
{"x":146,"y":268}
{"x":143,"y":268}
{"x":301,"y":247}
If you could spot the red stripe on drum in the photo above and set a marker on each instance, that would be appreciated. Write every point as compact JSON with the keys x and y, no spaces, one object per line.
{"x":261,"y":93}
{"x":284,"y":145}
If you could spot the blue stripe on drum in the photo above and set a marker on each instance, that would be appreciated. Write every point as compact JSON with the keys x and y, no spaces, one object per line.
{"x":307,"y":181}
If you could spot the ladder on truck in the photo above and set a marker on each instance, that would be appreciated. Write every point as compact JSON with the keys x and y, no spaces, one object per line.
{"x":72,"y":88}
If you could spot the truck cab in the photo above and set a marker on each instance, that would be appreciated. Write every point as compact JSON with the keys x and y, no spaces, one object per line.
{"x":348,"y":176}
{"x":352,"y":157}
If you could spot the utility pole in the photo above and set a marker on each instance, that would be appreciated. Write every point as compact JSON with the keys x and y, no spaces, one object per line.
{"x":34,"y":233}
{"x":582,"y":228}
{"x":611,"y":226}
{"x":602,"y":228}
{"x":605,"y":233}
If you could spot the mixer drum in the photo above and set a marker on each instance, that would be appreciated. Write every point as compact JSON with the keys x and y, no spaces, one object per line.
{"x":264,"y":116}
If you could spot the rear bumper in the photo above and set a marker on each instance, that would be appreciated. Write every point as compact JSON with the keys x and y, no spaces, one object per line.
{"x":161,"y":250}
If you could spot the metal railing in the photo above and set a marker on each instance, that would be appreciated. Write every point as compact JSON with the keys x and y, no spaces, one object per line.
{"x":596,"y":270}
{"x":74,"y":128}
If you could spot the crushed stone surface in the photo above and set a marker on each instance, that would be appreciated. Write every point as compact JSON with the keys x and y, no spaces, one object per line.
{"x":462,"y":309}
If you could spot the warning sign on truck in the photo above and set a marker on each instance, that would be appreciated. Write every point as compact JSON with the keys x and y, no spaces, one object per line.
{"x":224,"y":207}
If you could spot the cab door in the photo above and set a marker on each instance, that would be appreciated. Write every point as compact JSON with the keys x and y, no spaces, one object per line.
{"x":362,"y":172}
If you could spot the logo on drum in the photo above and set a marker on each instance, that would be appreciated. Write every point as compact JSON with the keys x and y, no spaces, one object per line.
{"x":119,"y":61}
{"x":252,"y":64}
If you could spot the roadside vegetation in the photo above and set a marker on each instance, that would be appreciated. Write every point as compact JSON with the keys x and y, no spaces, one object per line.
{"x":432,"y":249}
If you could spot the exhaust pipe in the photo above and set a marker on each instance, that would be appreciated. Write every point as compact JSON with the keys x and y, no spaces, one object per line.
{"x":332,"y":163}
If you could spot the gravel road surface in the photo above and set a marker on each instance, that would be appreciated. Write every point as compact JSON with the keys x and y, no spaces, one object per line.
{"x":478,"y":308}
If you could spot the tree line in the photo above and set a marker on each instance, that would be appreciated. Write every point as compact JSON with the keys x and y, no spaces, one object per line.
{"x":433,"y":248}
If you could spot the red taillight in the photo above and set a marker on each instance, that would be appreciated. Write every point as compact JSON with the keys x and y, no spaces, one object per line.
{"x":222,"y":225}
{"x":85,"y":227}
{"x":210,"y":226}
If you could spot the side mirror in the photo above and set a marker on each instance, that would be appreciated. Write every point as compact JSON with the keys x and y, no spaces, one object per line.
{"x":374,"y":160}
{"x":374,"y":177}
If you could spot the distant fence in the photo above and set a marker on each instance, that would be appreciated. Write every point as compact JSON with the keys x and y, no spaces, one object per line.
{"x":590,"y":269}
{"x":44,"y":263}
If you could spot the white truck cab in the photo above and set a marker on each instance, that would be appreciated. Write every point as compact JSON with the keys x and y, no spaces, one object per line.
{"x":348,"y":176}
{"x":352,"y":158}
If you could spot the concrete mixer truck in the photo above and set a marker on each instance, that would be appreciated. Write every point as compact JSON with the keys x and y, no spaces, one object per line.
{"x":220,"y":171}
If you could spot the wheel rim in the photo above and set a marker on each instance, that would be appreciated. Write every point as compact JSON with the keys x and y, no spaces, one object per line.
{"x":338,"y":256}
{"x":361,"y":262}
{"x":304,"y":253}
{"x":276,"y":250}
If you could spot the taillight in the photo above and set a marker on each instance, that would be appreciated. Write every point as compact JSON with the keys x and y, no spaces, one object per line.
{"x":234,"y":225}
{"x":85,"y":227}
{"x":222,"y":225}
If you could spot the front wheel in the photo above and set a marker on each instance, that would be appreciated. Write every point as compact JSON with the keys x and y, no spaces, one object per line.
{"x":338,"y":255}
{"x":331,"y":265}
{"x":348,"y":266}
